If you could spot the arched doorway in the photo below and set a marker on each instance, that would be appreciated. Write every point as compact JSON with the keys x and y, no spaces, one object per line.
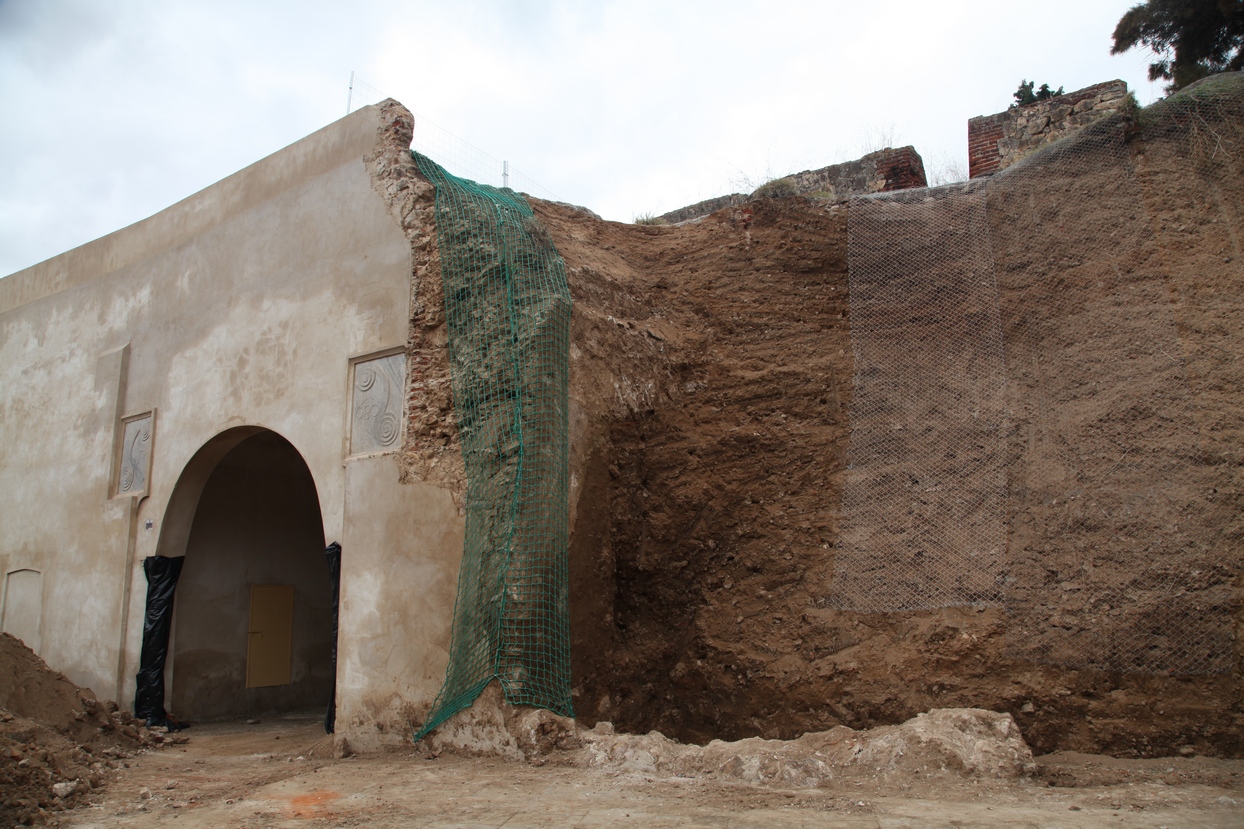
{"x":253,"y":611}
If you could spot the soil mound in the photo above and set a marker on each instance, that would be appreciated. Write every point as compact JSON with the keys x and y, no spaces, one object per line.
{"x":57,"y":741}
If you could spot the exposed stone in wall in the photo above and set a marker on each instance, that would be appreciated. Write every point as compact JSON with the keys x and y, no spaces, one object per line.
{"x":878,"y":172}
{"x":431,"y":452}
{"x":702,"y":208}
{"x":997,"y":141}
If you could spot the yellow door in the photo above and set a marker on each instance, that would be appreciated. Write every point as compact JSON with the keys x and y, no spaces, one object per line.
{"x":270,"y":635}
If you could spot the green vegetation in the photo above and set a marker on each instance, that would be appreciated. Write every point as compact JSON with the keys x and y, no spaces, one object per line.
{"x":1192,"y":38}
{"x":649,"y":219}
{"x":1025,"y":94}
{"x":776,"y":189}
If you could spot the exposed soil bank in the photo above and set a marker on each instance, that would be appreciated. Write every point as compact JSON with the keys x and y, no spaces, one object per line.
{"x":712,"y":376}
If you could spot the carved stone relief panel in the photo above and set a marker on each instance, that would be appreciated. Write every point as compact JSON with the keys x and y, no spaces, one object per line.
{"x":135,"y":461}
{"x":376,"y":419}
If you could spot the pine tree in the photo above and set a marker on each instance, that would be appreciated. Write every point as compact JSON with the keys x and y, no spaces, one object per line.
{"x":1192,"y":38}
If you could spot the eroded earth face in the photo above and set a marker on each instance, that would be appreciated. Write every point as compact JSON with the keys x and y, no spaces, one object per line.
{"x":712,"y":380}
{"x":712,"y":377}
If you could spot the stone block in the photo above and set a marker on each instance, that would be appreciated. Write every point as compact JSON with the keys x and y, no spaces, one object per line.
{"x":135,"y":463}
{"x":377,"y":404}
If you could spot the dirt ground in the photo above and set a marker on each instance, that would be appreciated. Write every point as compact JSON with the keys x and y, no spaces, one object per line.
{"x":947,"y":768}
{"x":268,"y":775}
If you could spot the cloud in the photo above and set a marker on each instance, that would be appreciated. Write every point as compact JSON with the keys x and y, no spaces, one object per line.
{"x":119,"y":109}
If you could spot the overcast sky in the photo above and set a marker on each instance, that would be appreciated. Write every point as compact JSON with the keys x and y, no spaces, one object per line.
{"x":115,"y":109}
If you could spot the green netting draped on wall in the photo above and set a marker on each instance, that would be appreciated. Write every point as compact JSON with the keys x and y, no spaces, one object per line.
{"x":507,"y":306}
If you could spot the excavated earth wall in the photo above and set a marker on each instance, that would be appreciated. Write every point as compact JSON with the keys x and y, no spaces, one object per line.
{"x":712,"y":374}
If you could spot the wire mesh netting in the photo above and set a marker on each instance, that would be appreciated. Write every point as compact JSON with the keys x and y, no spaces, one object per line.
{"x":1102,"y":541}
{"x":1020,"y":371}
{"x":927,"y":408}
{"x":507,"y":307}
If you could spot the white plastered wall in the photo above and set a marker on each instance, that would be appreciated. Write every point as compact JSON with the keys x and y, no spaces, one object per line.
{"x":240,"y":306}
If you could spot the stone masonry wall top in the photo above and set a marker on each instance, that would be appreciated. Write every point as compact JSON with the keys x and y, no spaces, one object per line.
{"x":997,"y":141}
{"x":877,"y":172}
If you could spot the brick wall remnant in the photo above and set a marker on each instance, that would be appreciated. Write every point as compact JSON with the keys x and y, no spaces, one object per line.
{"x":901,"y":169}
{"x":997,"y":141}
{"x":877,"y":172}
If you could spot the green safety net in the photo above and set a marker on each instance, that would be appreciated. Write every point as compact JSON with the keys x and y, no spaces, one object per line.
{"x":507,"y":307}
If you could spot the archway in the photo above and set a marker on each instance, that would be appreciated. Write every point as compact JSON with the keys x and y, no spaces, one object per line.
{"x":253,"y":611}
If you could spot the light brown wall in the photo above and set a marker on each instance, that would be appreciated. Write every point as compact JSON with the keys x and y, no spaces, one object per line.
{"x":399,"y":572}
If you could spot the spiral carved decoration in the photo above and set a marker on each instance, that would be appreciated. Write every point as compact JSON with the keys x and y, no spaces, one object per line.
{"x":135,"y":457}
{"x":377,"y":403}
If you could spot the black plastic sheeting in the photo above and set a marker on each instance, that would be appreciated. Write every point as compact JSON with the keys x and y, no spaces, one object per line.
{"x":332,"y":553}
{"x":162,"y":574}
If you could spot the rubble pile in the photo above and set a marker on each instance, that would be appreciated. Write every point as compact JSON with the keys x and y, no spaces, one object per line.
{"x":58,"y":742}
